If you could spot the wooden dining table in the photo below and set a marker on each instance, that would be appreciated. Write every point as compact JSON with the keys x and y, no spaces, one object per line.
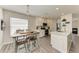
{"x":23,"y":34}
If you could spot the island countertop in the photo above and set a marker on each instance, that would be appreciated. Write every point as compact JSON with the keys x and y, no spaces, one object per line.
{"x":60,"y":33}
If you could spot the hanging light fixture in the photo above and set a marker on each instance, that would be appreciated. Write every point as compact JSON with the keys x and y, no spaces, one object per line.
{"x":28,"y":10}
{"x":57,"y":9}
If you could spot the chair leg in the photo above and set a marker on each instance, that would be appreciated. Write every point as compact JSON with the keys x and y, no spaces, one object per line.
{"x":16,"y":48}
{"x":34,"y":43}
{"x":25,"y":47}
{"x":28,"y":47}
{"x":31,"y":46}
{"x":37,"y":43}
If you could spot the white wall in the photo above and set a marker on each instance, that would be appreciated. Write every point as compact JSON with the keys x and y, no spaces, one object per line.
{"x":75,"y":24}
{"x":1,"y":32}
{"x":32,"y":23}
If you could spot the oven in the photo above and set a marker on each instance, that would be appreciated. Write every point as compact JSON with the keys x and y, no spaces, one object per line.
{"x":75,"y":30}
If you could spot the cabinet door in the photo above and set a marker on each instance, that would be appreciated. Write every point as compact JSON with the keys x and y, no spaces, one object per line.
{"x":59,"y":42}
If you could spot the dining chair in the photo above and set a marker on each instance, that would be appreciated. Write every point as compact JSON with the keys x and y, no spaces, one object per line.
{"x":34,"y":42}
{"x":21,"y":40}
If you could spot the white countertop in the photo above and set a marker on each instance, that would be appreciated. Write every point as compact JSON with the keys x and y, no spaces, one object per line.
{"x":60,"y":33}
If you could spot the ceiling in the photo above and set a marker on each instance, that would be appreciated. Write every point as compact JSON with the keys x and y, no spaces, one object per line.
{"x":45,"y":10}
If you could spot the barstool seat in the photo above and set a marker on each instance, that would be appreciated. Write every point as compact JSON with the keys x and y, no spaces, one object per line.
{"x":33,"y":38}
{"x":21,"y":41}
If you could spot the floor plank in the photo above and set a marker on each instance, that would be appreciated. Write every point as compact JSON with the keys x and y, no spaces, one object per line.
{"x":45,"y":47}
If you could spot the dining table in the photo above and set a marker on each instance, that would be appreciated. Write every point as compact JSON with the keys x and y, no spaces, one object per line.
{"x":24,"y":34}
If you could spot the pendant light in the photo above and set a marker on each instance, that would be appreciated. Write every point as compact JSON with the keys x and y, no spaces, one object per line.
{"x":28,"y":10}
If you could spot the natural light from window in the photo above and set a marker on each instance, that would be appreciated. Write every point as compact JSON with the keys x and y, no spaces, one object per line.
{"x":18,"y":24}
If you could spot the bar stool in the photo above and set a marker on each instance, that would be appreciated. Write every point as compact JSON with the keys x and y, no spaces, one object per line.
{"x":22,"y":40}
{"x":33,"y":41}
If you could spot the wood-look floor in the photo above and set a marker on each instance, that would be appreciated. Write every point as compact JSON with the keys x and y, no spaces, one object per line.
{"x":75,"y":45}
{"x":45,"y":47}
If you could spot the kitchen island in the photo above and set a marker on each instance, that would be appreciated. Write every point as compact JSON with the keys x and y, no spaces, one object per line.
{"x":61,"y":41}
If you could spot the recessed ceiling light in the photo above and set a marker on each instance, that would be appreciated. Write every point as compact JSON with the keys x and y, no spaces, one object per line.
{"x":57,"y":8}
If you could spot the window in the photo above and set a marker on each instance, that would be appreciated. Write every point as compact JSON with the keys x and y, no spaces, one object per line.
{"x":18,"y":24}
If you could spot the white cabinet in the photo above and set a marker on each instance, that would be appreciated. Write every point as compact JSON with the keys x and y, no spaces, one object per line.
{"x":42,"y":33}
{"x":61,"y":41}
